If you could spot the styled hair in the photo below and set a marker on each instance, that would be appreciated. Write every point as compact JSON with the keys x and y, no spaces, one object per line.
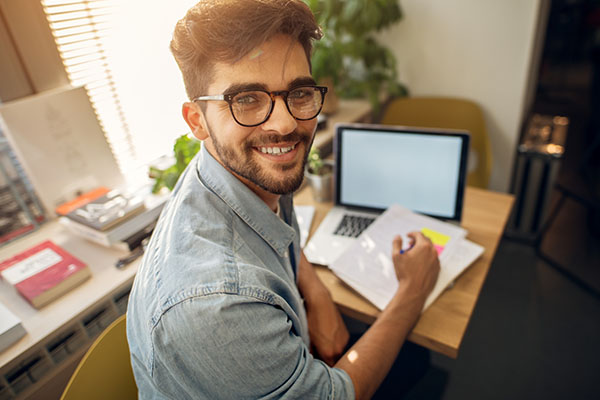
{"x":226,"y":30}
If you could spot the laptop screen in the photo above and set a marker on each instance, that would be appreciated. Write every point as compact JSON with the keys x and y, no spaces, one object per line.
{"x":421,"y":169}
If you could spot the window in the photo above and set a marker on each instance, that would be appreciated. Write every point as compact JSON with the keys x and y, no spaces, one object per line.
{"x":119,"y":50}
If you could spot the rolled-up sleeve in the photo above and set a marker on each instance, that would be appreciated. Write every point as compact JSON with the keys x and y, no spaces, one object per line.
{"x":226,"y":346}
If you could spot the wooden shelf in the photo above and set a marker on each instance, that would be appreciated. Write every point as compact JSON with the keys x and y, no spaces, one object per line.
{"x":357,"y":110}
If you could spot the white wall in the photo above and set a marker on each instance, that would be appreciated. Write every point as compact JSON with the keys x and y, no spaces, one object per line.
{"x":475,"y":49}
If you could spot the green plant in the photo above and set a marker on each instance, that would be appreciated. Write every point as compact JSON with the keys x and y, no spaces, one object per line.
{"x":316,"y":166}
{"x":184,"y":150}
{"x":349,"y":53}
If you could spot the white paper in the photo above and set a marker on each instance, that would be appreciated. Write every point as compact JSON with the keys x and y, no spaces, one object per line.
{"x":367,"y":265}
{"x":304,"y":215}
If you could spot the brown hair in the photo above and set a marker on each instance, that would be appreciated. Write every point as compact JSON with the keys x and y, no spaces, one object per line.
{"x":226,"y":30}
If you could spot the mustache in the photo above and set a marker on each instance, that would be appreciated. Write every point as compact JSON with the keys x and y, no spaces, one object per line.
{"x":274,"y":139}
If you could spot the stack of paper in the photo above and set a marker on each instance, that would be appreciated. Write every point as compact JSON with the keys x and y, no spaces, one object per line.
{"x":304,"y":216}
{"x":367,"y":265}
{"x":11,"y":328}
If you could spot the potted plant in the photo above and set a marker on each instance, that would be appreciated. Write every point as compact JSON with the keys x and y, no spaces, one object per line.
{"x":319,"y":174}
{"x":184,"y":150}
{"x":349,"y":56}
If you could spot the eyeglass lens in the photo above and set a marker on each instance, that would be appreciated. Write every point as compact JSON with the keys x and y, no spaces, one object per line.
{"x":253,"y":108}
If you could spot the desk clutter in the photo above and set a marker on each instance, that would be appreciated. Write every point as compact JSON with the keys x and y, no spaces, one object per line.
{"x":367,"y":266}
{"x":101,"y":209}
{"x":112,"y":218}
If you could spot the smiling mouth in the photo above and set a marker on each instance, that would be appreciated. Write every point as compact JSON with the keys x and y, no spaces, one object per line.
{"x":274,"y":150}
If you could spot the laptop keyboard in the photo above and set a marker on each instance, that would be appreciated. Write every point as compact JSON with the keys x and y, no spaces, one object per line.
{"x":353,"y":225}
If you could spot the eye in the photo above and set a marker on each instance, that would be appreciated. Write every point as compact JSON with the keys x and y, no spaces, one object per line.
{"x":302,"y":93}
{"x":246,"y":99}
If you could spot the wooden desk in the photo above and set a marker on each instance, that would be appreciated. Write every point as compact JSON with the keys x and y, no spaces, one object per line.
{"x":442,"y":326}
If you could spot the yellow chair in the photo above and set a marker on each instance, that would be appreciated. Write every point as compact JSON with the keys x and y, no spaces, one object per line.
{"x":105,"y":370}
{"x":447,"y":112}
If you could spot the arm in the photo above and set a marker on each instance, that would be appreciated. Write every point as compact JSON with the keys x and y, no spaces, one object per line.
{"x":231,"y":346}
{"x":369,"y":360}
{"x":328,"y":333}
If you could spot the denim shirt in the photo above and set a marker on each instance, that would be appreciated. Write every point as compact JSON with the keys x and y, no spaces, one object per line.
{"x":215,"y":312}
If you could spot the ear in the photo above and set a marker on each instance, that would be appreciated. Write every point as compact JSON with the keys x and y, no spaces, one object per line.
{"x":195,"y":119}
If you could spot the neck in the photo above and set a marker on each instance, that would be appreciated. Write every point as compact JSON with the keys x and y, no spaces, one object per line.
{"x":269,"y":198}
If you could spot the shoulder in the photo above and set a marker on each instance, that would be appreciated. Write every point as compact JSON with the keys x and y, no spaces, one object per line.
{"x":238,"y":346}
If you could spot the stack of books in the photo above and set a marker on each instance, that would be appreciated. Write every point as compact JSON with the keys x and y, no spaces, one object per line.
{"x":111,"y":217}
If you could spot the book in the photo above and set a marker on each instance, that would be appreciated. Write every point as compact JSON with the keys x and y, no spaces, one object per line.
{"x":43,"y":273}
{"x":11,"y":328}
{"x":107,"y":211}
{"x":81,"y":200}
{"x":367,"y":265}
{"x":117,"y":235}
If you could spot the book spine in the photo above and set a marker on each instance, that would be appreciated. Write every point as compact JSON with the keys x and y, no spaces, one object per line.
{"x":86,"y":232}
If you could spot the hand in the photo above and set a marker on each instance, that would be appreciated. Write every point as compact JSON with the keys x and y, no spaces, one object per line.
{"x":418,"y":268}
{"x":328,"y":333}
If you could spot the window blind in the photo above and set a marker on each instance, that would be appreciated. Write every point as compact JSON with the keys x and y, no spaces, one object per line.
{"x":82,"y":30}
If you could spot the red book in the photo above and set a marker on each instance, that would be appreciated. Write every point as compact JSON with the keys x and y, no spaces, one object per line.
{"x":43,"y":273}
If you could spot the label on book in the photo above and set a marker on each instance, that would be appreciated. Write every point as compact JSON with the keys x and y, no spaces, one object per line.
{"x":31,"y":266}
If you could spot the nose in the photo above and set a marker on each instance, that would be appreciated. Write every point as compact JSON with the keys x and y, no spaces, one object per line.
{"x":280,"y":121}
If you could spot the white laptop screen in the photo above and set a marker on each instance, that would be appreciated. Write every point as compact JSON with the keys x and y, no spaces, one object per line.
{"x":421,"y":170}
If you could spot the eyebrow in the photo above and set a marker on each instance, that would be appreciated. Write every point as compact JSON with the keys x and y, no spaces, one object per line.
{"x":246,"y":87}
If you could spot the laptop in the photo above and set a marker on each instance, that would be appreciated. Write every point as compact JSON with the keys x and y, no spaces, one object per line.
{"x":376,"y":166}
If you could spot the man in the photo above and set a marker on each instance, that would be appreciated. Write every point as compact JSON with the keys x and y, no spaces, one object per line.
{"x":225,"y":305}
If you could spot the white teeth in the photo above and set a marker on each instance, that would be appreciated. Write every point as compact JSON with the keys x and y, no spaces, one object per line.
{"x":277,"y":150}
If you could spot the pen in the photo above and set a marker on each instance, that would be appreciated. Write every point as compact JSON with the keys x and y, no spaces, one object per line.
{"x":402,"y":251}
{"x":135,"y":254}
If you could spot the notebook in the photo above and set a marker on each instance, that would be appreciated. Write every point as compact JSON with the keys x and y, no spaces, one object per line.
{"x":376,"y":166}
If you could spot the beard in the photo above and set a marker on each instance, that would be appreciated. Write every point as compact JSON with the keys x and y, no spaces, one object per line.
{"x":279,"y":179}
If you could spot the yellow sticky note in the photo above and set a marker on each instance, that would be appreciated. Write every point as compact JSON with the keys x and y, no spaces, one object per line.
{"x":436,"y":238}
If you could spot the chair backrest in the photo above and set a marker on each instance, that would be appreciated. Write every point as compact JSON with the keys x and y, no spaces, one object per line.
{"x":105,"y":370}
{"x":447,"y":112}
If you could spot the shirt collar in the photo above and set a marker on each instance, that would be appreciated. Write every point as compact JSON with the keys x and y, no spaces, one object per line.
{"x":246,"y":204}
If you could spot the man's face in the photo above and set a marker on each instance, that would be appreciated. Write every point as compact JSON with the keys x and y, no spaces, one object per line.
{"x":270,"y":156}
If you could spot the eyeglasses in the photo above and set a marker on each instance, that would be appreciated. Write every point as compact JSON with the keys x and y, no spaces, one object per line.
{"x":254,"y":107}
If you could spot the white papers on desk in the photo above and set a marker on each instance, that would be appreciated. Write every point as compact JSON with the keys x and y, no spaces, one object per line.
{"x":304,"y":215}
{"x":367,"y":265}
{"x":11,"y":328}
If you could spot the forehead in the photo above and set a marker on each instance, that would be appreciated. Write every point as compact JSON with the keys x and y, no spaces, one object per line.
{"x":273,"y":64}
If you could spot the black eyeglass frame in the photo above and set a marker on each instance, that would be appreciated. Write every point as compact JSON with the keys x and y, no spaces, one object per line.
{"x":283,"y":93}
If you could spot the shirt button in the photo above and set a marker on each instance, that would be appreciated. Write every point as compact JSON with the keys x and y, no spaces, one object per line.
{"x":286,"y":254}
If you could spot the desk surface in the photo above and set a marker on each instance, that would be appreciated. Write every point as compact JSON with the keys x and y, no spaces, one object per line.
{"x":44,"y":324}
{"x":442,"y":326}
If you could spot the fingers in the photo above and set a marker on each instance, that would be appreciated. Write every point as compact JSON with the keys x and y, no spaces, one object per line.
{"x":418,"y":238}
{"x":397,"y":245}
